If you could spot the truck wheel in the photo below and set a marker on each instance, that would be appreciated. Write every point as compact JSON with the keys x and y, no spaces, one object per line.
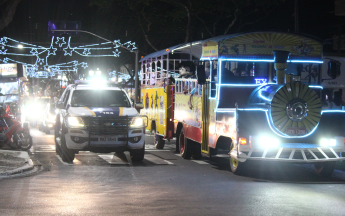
{"x":196,"y":154}
{"x":158,"y":141}
{"x":67,"y":155}
{"x":324,"y":169}
{"x":138,"y":154}
{"x":185,"y":146}
{"x":237,"y":167}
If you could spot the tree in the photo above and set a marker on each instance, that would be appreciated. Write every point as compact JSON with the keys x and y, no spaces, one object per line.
{"x":186,"y":20}
{"x":7,"y":11}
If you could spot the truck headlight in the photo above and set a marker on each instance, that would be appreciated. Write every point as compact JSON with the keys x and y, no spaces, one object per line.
{"x":137,"y":122}
{"x":75,"y":122}
{"x":268,"y":142}
{"x":52,"y":118}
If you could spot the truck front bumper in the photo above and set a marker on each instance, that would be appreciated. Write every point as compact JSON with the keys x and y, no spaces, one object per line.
{"x":82,"y":140}
{"x":291,"y":152}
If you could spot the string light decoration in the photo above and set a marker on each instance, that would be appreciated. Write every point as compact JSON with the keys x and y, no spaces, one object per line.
{"x":9,"y":47}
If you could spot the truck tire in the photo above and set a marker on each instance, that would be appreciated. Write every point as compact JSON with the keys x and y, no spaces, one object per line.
{"x":237,"y":167}
{"x":56,"y":134}
{"x":158,"y":140}
{"x":67,"y":155}
{"x":324,"y":169}
{"x":196,"y":154}
{"x":185,"y":146}
{"x":137,"y":154}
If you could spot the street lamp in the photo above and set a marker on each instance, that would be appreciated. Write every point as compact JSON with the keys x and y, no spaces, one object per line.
{"x":135,"y":51}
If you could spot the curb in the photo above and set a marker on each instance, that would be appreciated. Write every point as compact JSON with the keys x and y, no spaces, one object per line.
{"x":27,"y":167}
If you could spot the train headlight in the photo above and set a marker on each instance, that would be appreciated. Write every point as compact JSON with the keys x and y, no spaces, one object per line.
{"x":268,"y":142}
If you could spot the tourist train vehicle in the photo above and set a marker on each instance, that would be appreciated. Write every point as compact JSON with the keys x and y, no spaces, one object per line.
{"x":256,"y":97}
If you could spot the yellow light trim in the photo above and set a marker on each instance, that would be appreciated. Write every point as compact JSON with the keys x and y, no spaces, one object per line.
{"x":92,"y":112}
{"x":121,"y":111}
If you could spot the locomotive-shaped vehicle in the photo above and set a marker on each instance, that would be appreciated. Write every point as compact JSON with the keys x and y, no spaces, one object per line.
{"x":256,"y":97}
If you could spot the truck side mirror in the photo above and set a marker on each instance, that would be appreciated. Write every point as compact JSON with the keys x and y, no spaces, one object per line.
{"x":60,"y":105}
{"x":201,"y":74}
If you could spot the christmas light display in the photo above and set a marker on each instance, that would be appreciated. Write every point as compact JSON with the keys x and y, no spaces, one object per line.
{"x":40,"y":68}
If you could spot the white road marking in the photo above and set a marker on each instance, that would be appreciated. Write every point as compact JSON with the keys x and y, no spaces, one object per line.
{"x":112,"y":159}
{"x":200,"y":162}
{"x":156,"y":160}
{"x":170,"y":163}
{"x":195,"y":161}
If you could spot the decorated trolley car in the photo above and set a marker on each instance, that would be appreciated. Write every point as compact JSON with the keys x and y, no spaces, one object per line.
{"x":252,"y":99}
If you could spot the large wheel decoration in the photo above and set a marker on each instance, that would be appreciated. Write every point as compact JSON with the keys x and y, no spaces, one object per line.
{"x":295,"y":109}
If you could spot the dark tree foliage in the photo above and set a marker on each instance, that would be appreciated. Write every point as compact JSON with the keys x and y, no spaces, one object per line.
{"x":7,"y":11}
{"x":162,"y":23}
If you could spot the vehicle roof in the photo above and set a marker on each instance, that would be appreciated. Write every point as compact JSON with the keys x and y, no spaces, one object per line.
{"x":93,"y":87}
{"x":195,"y":47}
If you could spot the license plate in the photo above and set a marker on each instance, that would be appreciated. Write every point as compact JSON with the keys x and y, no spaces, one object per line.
{"x":107,"y":139}
{"x":296,"y":131}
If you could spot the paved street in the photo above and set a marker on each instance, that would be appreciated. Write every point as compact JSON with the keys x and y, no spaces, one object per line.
{"x":164,"y":184}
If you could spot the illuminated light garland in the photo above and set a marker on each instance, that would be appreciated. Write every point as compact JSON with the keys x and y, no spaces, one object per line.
{"x":111,"y":50}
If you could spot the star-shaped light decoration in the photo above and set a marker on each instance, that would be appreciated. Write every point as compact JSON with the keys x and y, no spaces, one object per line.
{"x":130,"y":45}
{"x":60,"y":41}
{"x":86,"y":52}
{"x":117,"y":43}
{"x":5,"y":60}
{"x":68,"y":50}
{"x":34,"y":51}
{"x":116,"y":53}
{"x":3,"y":41}
{"x":3,"y":51}
{"x":84,"y":65}
{"x":51,"y":50}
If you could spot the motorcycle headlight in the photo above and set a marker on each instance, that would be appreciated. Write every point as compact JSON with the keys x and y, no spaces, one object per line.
{"x":137,"y":122}
{"x":75,"y":122}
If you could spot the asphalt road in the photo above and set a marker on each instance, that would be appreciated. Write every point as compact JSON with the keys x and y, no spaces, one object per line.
{"x":165,"y":184}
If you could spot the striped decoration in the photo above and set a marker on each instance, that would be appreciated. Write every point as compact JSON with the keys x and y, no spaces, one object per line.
{"x":288,"y":93}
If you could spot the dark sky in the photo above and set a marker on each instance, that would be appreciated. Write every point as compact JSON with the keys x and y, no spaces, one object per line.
{"x":316,"y":17}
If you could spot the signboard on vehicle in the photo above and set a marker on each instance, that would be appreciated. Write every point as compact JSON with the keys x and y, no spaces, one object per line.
{"x":210,"y":49}
{"x":333,"y":72}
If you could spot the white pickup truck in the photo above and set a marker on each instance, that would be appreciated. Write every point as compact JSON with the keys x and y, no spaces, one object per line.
{"x":98,"y":118}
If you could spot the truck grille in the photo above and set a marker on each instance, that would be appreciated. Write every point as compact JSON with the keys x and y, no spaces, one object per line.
{"x":107,"y":125}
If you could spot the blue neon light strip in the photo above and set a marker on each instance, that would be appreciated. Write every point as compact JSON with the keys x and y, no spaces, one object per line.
{"x":271,"y":60}
{"x":243,"y":85}
{"x":315,"y":86}
{"x":332,"y":111}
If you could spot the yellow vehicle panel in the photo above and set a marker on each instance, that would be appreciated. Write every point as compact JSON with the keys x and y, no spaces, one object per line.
{"x":156,"y":102}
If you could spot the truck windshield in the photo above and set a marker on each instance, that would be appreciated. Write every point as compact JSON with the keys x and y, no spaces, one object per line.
{"x":99,"y":98}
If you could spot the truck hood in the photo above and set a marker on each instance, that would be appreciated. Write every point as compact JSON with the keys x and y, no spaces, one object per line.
{"x":97,"y":111}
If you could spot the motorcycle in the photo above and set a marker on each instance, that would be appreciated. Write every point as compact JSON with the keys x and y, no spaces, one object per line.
{"x":12,"y":133}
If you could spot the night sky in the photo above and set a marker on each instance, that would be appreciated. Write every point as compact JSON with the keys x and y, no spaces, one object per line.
{"x":316,"y":17}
